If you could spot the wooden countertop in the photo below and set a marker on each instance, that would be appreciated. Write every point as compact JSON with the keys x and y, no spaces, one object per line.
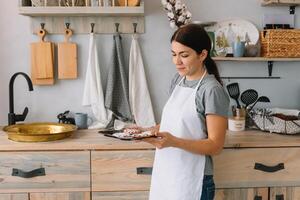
{"x":91,"y":140}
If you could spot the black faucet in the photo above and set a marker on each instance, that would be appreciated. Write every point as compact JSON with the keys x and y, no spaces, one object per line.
{"x":12,"y":117}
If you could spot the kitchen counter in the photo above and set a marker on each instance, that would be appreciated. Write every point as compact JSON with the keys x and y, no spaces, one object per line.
{"x":91,"y":140}
{"x":90,"y":166}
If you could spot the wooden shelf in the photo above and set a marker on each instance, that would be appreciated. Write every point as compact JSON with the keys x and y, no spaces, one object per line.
{"x":254,"y":59}
{"x":82,"y":11}
{"x":280,"y":2}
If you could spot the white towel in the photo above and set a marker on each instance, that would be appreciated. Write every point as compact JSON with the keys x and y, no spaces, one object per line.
{"x":93,"y":92}
{"x":139,"y":97}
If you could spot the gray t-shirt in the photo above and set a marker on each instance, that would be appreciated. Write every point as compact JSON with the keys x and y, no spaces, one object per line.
{"x":211,"y":98}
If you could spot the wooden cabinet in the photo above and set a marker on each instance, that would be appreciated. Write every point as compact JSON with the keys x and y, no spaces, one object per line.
{"x":242,"y":194}
{"x":263,"y":168}
{"x":23,"y":196}
{"x":285,"y":193}
{"x":44,"y":171}
{"x":121,"y":170}
{"x":141,"y":195}
{"x":88,"y":166}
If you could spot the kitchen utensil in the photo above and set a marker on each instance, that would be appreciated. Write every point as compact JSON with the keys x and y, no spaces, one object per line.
{"x":67,"y":57}
{"x":249,"y":97}
{"x":39,"y":132}
{"x":42,"y":59}
{"x":129,"y":2}
{"x":260,"y":99}
{"x":234,"y":92}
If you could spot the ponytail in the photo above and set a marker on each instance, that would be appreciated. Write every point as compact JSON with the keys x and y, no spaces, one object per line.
{"x":212,"y":68}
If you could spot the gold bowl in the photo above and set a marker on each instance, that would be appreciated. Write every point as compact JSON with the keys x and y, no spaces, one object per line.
{"x":39,"y":132}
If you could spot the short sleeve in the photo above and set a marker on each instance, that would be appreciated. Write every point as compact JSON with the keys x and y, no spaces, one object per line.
{"x":174,"y":82}
{"x":216,"y":101}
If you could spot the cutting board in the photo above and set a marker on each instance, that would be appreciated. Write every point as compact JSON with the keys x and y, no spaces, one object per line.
{"x":129,"y":2}
{"x":67,"y":58}
{"x":42,"y":60}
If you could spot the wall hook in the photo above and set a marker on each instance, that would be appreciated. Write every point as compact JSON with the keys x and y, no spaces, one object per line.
{"x":42,"y":25}
{"x":134,"y":26}
{"x":92,"y":27}
{"x":117,"y":27}
{"x":67,"y":25}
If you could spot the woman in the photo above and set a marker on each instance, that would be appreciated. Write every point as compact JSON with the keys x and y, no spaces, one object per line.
{"x":193,"y":123}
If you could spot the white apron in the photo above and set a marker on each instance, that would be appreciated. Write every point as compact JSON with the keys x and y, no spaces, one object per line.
{"x":178,"y":174}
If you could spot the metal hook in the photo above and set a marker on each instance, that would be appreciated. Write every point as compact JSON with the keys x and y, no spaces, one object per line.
{"x":134,"y":26}
{"x":42,"y":25}
{"x":92,"y":27}
{"x":117,"y":27}
{"x":67,"y":25}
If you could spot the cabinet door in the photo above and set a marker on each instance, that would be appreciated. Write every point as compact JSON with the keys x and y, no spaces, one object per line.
{"x":140,"y":195}
{"x":242,"y":194}
{"x":285,"y":193}
{"x":22,"y":172}
{"x":121,"y":170}
{"x":22,"y":196}
{"x":60,"y":196}
{"x":257,"y":167}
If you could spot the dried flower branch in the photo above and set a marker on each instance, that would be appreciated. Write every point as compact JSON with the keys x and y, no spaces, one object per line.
{"x":178,"y":14}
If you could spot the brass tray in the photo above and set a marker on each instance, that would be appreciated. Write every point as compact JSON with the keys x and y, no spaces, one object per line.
{"x":39,"y":132}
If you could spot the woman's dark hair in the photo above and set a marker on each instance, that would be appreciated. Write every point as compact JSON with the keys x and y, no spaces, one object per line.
{"x":195,"y":37}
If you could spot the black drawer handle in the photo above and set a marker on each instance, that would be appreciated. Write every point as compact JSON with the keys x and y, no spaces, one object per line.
{"x":258,"y":197}
{"x":144,"y":170}
{"x":265,"y":168}
{"x":279,"y":197}
{"x":30,"y":174}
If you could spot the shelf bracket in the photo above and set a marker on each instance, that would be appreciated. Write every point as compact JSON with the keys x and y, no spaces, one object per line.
{"x":270,"y":68}
{"x":292,"y":10}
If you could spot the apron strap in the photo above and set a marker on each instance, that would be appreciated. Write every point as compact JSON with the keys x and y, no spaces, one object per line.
{"x":197,"y":87}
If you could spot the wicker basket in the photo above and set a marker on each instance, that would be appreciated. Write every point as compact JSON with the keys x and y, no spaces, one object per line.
{"x":281,"y":43}
{"x":265,"y":121}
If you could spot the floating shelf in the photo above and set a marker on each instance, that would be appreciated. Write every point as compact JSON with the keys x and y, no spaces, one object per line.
{"x":80,"y":18}
{"x":82,"y":11}
{"x":280,"y":2}
{"x":254,"y":59}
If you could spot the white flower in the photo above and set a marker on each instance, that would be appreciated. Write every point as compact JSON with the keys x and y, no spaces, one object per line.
{"x":171,"y":15}
{"x":164,"y":2}
{"x":178,"y":5}
{"x":172,"y":1}
{"x":172,"y":24}
{"x":181,"y":19}
{"x":169,"y":7}
{"x":188,"y":14}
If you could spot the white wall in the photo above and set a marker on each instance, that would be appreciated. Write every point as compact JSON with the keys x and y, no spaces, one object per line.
{"x":45,"y":102}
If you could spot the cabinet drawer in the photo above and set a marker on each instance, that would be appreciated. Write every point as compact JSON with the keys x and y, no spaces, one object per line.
{"x":258,"y":167}
{"x":117,"y":170}
{"x":142,"y":195}
{"x":64,"y":171}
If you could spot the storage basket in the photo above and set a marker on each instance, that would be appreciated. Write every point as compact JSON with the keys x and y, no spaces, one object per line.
{"x":281,"y":43}
{"x":266,"y":121}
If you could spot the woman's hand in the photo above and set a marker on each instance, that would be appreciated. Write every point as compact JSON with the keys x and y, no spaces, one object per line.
{"x":162,"y":140}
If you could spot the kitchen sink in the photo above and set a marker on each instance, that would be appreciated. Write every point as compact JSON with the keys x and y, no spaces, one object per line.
{"x":39,"y":132}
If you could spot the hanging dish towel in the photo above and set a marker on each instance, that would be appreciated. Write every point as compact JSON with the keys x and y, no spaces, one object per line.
{"x":139,"y":97}
{"x":116,"y":96}
{"x":93,"y":92}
